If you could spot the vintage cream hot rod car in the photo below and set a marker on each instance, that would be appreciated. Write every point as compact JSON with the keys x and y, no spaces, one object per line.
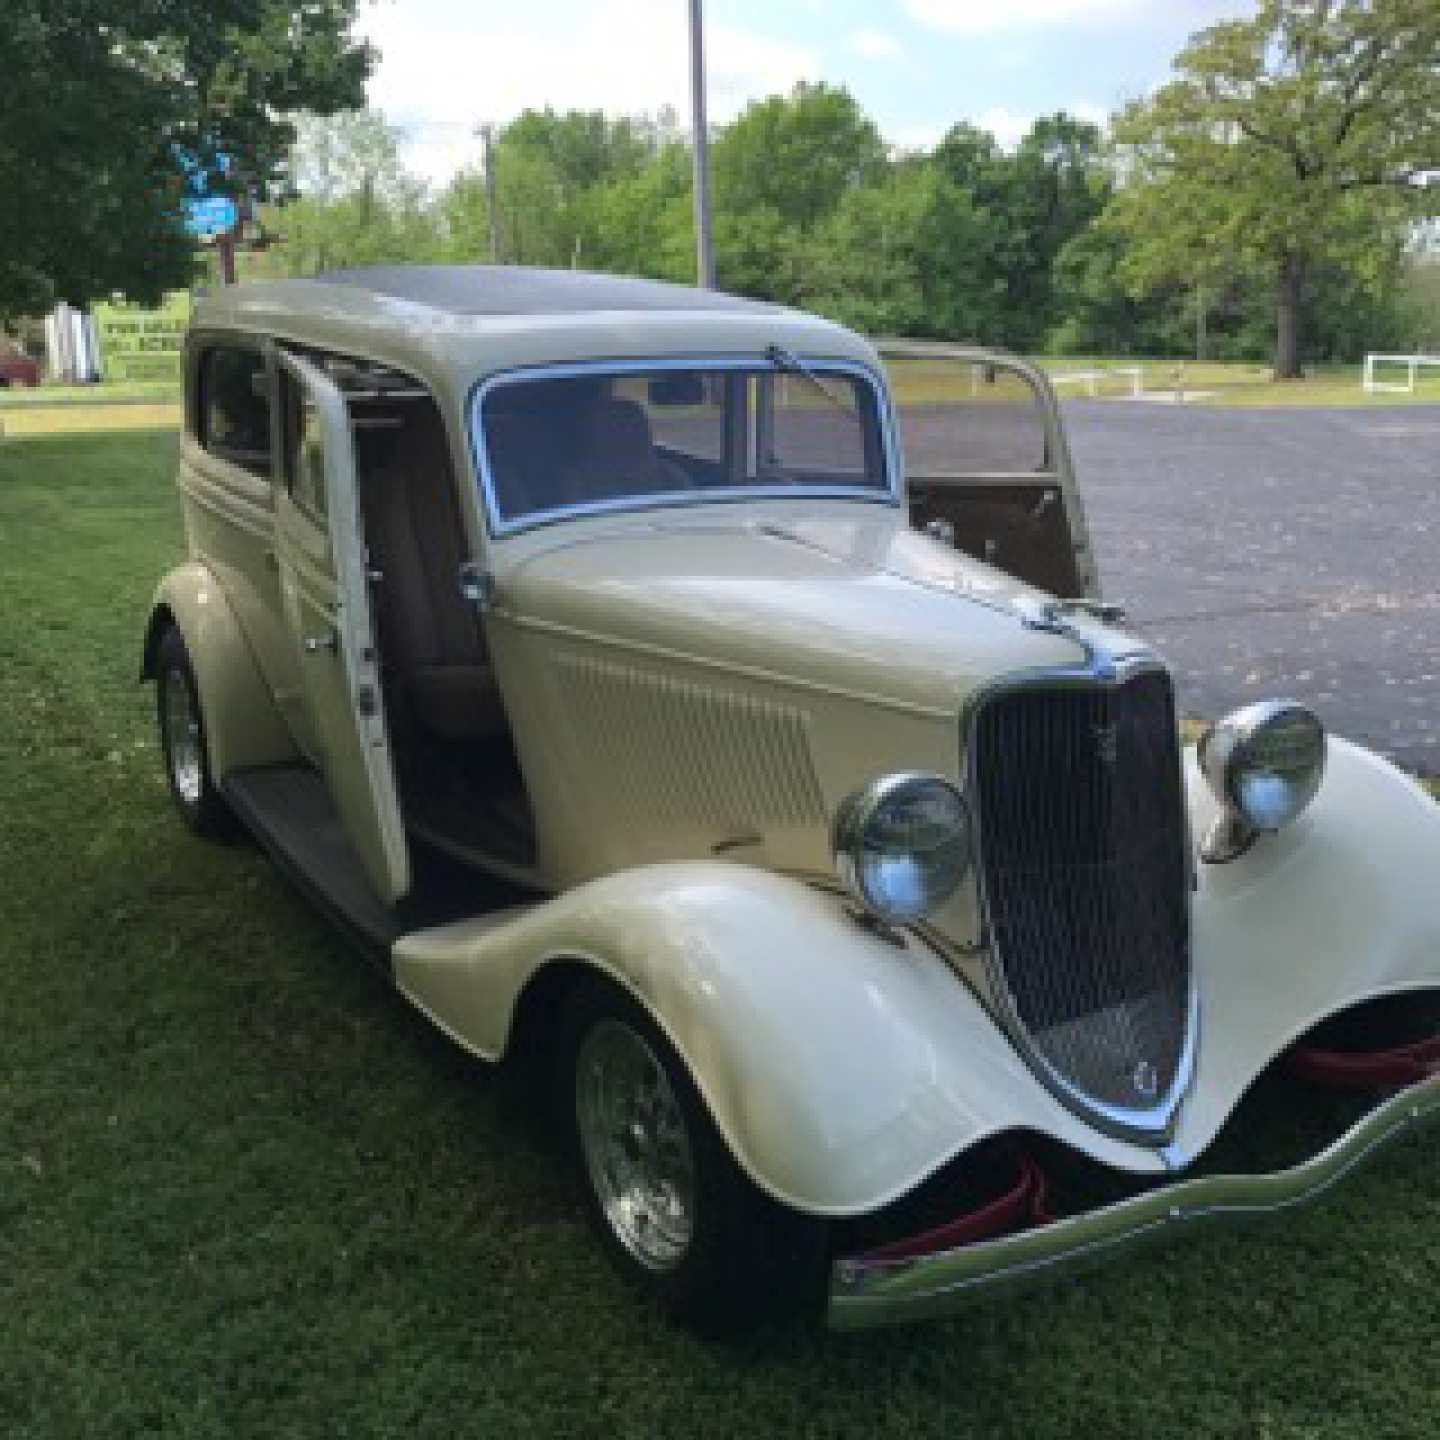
{"x":654,"y":681}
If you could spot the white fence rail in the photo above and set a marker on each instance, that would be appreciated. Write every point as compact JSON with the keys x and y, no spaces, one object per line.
{"x":1412,"y":364}
{"x":1091,"y":379}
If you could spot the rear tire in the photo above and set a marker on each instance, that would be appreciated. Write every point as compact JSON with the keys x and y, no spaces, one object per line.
{"x":674,"y":1211}
{"x":183,"y":746}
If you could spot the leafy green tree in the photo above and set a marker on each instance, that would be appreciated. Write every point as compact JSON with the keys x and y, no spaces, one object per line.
{"x":909,"y":254}
{"x":584,"y":147}
{"x":1292,"y":140}
{"x":100,"y":98}
{"x":643,"y":223}
{"x":795,"y":155}
{"x":357,"y":204}
{"x":358,"y":228}
{"x":1039,"y":198}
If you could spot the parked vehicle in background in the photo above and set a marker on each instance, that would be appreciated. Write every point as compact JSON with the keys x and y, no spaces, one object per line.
{"x":16,"y":369}
{"x":669,"y":685}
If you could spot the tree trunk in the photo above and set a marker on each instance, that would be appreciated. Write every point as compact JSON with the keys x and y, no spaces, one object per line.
{"x":1287,"y":318}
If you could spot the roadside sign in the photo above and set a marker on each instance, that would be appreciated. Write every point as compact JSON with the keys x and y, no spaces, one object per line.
{"x":142,"y":344}
{"x":209,"y":215}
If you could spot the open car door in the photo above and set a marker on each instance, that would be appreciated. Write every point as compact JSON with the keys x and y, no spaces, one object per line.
{"x":987,"y":466}
{"x":320,"y":550}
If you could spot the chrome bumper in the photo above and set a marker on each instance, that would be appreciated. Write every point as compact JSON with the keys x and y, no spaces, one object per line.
{"x":891,"y":1292}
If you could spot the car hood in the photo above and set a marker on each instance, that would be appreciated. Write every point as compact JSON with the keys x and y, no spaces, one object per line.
{"x":863,"y":606}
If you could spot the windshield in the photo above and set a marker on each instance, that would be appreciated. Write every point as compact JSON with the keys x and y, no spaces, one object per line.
{"x":554,"y":443}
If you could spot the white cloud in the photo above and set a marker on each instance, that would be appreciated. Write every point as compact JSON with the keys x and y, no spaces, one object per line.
{"x":874,"y":44}
{"x":442,"y":71}
{"x":990,"y":17}
{"x":983,"y":17}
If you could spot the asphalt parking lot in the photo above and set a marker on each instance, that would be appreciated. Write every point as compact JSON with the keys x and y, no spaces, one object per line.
{"x":1278,"y":552}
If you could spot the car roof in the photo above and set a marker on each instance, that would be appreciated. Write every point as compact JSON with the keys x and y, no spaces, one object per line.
{"x":450,"y":325}
{"x":529,"y":290}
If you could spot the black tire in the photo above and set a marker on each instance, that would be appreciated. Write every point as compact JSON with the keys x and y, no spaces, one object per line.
{"x":184,"y":750}
{"x":746,"y":1258}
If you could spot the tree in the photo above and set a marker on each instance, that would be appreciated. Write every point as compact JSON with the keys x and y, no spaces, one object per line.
{"x":909,"y":254}
{"x":1293,"y":140}
{"x":795,"y":155}
{"x":357,"y":205}
{"x":1041,"y":196}
{"x":103,"y":100}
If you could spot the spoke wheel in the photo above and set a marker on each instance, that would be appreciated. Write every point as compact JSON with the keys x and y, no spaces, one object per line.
{"x":635,"y":1144}
{"x":678,"y":1216}
{"x":181,"y":726}
{"x":183,"y":746}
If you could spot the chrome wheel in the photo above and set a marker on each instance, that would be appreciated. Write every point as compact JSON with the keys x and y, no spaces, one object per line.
{"x":635,"y":1143}
{"x":182,"y":736}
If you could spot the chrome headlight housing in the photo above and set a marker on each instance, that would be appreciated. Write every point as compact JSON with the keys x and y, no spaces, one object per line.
{"x":902,"y":845}
{"x":1264,"y":763}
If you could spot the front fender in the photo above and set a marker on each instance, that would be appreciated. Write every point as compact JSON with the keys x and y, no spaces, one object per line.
{"x":243,"y":726}
{"x":841,"y":1068}
{"x":1341,"y":907}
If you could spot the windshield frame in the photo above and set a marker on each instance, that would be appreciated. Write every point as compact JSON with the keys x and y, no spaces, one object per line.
{"x":890,"y":494}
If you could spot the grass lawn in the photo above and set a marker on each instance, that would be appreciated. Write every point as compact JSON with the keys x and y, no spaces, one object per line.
{"x":109,"y":392}
{"x":245,"y":1191}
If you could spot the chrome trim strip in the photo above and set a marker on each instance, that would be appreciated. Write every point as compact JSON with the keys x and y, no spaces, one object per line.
{"x":499,"y":527}
{"x":1102,"y":666}
{"x":868,"y":1294}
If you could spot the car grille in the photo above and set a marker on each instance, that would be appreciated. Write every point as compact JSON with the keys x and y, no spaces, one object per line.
{"x":1085,"y":873}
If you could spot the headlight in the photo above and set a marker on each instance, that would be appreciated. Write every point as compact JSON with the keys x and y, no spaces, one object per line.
{"x":902,"y":845}
{"x":1264,"y":762}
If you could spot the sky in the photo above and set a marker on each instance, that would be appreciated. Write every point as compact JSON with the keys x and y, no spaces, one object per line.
{"x":915,"y":66}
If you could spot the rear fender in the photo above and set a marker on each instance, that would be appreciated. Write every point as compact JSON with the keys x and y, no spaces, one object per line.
{"x":243,"y":726}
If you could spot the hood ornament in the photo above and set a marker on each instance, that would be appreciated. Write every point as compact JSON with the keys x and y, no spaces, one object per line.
{"x":1067,"y":618}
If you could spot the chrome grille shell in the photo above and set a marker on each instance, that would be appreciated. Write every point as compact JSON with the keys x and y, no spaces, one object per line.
{"x":1085,"y":875}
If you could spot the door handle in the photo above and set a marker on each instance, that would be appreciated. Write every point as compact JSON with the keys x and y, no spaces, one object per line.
{"x":330,"y":641}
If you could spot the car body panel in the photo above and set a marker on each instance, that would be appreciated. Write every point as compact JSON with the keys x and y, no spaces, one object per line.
{"x":243,"y":727}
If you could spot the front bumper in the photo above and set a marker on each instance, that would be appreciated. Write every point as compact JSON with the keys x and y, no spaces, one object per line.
{"x":865,"y":1293}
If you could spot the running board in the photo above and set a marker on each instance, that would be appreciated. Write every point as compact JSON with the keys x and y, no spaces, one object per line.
{"x":289,"y":811}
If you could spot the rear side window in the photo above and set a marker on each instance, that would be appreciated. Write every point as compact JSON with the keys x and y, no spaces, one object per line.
{"x":235,"y":407}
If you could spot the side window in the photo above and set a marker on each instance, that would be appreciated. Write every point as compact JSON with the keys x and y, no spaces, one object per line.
{"x":305,"y":450}
{"x":235,"y":407}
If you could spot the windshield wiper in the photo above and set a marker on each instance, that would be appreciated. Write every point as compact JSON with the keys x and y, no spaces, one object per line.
{"x":789,"y":361}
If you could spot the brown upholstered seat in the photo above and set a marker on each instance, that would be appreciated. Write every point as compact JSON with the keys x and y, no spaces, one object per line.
{"x":618,"y":456}
{"x":430,"y":637}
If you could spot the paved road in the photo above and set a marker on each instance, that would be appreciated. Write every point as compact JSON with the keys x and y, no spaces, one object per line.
{"x":1279,"y":552}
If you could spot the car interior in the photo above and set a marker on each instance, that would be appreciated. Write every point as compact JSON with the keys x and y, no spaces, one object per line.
{"x":457,"y":773}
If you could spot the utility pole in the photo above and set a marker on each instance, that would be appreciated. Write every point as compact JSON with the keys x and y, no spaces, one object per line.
{"x":704,"y":255}
{"x":486,"y":132}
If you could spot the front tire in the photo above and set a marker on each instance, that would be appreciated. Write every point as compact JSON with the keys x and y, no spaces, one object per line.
{"x":183,"y":747}
{"x":675,"y":1212}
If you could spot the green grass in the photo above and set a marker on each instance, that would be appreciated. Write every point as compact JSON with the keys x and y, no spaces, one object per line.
{"x":244,"y":1191}
{"x":110,"y":392}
